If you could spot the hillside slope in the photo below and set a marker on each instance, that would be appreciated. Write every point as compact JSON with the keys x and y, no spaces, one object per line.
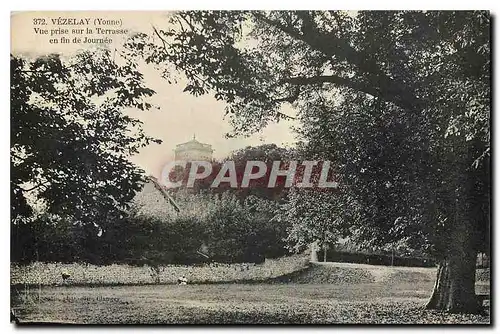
{"x":350,"y":273}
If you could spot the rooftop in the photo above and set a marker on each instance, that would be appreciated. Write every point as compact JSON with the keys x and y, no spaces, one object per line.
{"x":193,"y":143}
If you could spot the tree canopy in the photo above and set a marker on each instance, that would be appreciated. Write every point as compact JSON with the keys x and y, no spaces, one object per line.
{"x":399,"y":101}
{"x":71,"y":137}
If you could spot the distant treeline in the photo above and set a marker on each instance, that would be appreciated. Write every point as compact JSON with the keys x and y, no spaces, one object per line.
{"x":378,"y":259}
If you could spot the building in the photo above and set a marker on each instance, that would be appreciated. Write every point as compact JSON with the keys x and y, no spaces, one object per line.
{"x":193,"y":150}
{"x":153,"y":200}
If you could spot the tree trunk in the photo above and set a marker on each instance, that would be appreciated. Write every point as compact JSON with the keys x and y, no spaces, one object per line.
{"x":454,"y":290}
{"x":324,"y":252}
{"x":314,"y":252}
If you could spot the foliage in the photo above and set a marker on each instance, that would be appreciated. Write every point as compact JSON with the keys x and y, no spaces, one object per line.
{"x":70,"y":137}
{"x":48,"y":238}
{"x":220,"y":225}
{"x":405,"y":94}
{"x":393,"y":98}
{"x":243,"y":232}
{"x":267,"y":153}
{"x":313,"y":215}
{"x":142,"y":240}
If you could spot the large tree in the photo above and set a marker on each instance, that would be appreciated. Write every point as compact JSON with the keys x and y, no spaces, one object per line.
{"x":313,"y":216}
{"x":417,"y":83}
{"x":71,"y":137}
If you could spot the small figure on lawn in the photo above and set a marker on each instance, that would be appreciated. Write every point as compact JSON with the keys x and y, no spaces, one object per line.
{"x":182,"y":280}
{"x":65,"y":275}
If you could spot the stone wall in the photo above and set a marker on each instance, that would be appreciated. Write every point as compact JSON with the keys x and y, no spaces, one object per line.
{"x":51,"y":273}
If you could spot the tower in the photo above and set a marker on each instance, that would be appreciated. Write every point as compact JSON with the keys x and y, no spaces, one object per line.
{"x":193,"y":150}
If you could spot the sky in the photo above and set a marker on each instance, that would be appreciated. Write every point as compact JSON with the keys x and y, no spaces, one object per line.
{"x":180,"y":115}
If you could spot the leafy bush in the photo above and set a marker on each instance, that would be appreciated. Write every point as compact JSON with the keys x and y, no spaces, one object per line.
{"x":220,"y":225}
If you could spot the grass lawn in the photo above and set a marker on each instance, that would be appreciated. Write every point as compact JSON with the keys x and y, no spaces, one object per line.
{"x":235,"y":303}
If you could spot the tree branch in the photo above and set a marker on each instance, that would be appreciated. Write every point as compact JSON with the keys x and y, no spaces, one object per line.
{"x":178,"y":67}
{"x":335,"y":80}
{"x":291,"y":98}
{"x":33,"y":188}
{"x":285,"y":116}
{"x":164,"y":42}
{"x":337,"y":48}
